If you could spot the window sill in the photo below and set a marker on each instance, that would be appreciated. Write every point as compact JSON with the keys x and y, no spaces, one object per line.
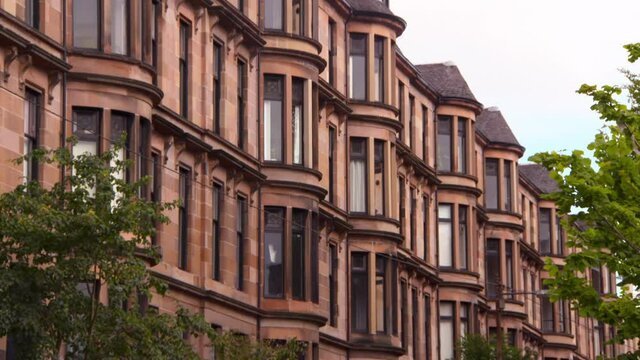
{"x":458,"y":271}
{"x":381,"y":104}
{"x":282,"y":33}
{"x":302,"y":168}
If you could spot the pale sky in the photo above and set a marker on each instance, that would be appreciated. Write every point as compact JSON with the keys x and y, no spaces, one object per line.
{"x":528,"y":57}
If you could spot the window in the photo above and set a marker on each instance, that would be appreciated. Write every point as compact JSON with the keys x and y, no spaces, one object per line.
{"x":32,"y":13}
{"x":493,"y":267}
{"x":444,"y":143}
{"x":445,"y":234}
{"x":404,"y":306}
{"x":298,"y":120}
{"x":491,"y":186}
{"x":242,"y":102}
{"x":425,"y":134}
{"x":381,"y":290}
{"x":545,"y":230}
{"x":273,"y":117}
{"x":86,"y":24}
{"x":401,"y":204}
{"x":120,"y":27}
{"x":534,"y":313}
{"x":332,"y":52}
{"x":596,"y":279}
{"x":425,"y":228}
{"x":401,"y":109}
{"x":508,"y":185}
{"x":359,"y":292}
{"x":379,"y":177}
{"x":274,"y":245}
{"x":559,"y":237}
{"x":183,"y":217}
{"x":598,"y":338}
{"x":273,"y":17}
{"x":217,"y":85}
{"x":315,"y":261}
{"x":32,"y":104}
{"x":563,"y":316}
{"x":331,"y":193}
{"x":155,"y":13}
{"x":298,"y":240}
{"x":508,"y":251}
{"x":333,"y":285}
{"x":378,"y":69}
{"x":121,"y":124}
{"x":156,"y":186}
{"x":298,"y":18}
{"x":358,"y":67}
{"x":446,"y":330}
{"x":462,"y":145}
{"x":464,"y":319}
{"x":185,"y":36}
{"x":358,"y":176}
{"x":143,"y":156}
{"x":86,"y":127}
{"x":412,"y":220}
{"x":412,"y":114}
{"x":241,"y":228}
{"x":426,"y":303}
{"x":414,"y":322}
{"x":463,"y":237}
{"x":216,"y":204}
{"x":547,"y":313}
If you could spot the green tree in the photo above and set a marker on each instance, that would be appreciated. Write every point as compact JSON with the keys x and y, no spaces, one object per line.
{"x":60,"y":246}
{"x":477,"y":347}
{"x":604,"y":195}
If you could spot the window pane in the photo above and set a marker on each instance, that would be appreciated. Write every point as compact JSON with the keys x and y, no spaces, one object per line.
{"x":183,"y":221}
{"x":462,"y":145}
{"x":241,"y":223}
{"x":444,"y":143}
{"x":241,"y":103}
{"x":333,"y":284}
{"x":298,"y":17}
{"x":32,"y":13}
{"x":379,"y":177}
{"x":298,"y":231}
{"x":545,"y":230}
{"x":358,"y":67}
{"x":273,"y":117}
{"x":491,"y":187}
{"x":119,"y":26}
{"x":508,"y":186}
{"x":547,"y":313}
{"x":298,"y":120}
{"x":464,"y":319}
{"x":358,"y":176}
{"x":445,"y":241}
{"x":381,"y":303}
{"x":378,"y":70}
{"x":273,"y":14}
{"x":493,"y":267}
{"x":509,"y":268}
{"x":462,"y":237}
{"x":359,"y":292}
{"x":86,"y":24}
{"x":273,"y":240}
{"x":215,"y":236}
{"x":446,"y":331}
{"x":86,"y":125}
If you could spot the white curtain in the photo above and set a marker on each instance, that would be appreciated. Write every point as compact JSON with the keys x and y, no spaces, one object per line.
{"x":267,"y":130}
{"x":297,"y":134}
{"x":446,"y":331}
{"x":119,"y":30}
{"x":358,"y":186}
{"x":445,"y":243}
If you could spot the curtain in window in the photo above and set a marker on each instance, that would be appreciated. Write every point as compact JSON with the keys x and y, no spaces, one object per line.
{"x":273,"y":14}
{"x":445,"y":242}
{"x":85,"y":24}
{"x":119,"y":22}
{"x":273,"y":94}
{"x":358,"y":189}
{"x":446,"y":331}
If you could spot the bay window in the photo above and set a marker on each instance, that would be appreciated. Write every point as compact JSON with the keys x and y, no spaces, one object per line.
{"x":86,"y":24}
{"x":443,"y":159}
{"x":545,"y":231}
{"x":447,"y":337}
{"x":273,"y":247}
{"x":273,"y":117}
{"x":359,"y":292}
{"x":491,"y":186}
{"x":298,"y":255}
{"x":119,"y":27}
{"x":32,"y":104}
{"x":274,"y":14}
{"x":358,"y":67}
{"x":298,"y":120}
{"x":378,"y":69}
{"x":462,"y":145}
{"x":463,"y":237}
{"x":379,"y":177}
{"x":358,"y":188}
{"x":445,"y":235}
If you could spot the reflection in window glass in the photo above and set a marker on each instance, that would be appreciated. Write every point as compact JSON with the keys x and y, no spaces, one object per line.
{"x":443,"y":160}
{"x":358,"y":67}
{"x":273,"y":246}
{"x":86,"y":23}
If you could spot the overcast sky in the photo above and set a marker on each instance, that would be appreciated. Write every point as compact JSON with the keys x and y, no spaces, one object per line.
{"x":528,"y":57}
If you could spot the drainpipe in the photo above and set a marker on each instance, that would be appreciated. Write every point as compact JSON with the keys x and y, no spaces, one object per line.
{"x":63,"y":85}
{"x":259,"y":237}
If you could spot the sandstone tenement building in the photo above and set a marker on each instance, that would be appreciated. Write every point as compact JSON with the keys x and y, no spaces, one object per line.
{"x":333,"y":191}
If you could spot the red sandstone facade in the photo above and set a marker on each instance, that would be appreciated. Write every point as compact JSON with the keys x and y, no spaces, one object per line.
{"x":333,"y":191}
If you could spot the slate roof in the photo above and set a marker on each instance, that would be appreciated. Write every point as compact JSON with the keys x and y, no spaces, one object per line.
{"x":539,"y":176}
{"x":447,"y":80}
{"x":373,"y":6}
{"x":495,"y":128}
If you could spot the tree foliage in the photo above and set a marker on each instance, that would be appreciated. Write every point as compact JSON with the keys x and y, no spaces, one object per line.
{"x":604,"y":196}
{"x":72,"y":278}
{"x":477,"y":347}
